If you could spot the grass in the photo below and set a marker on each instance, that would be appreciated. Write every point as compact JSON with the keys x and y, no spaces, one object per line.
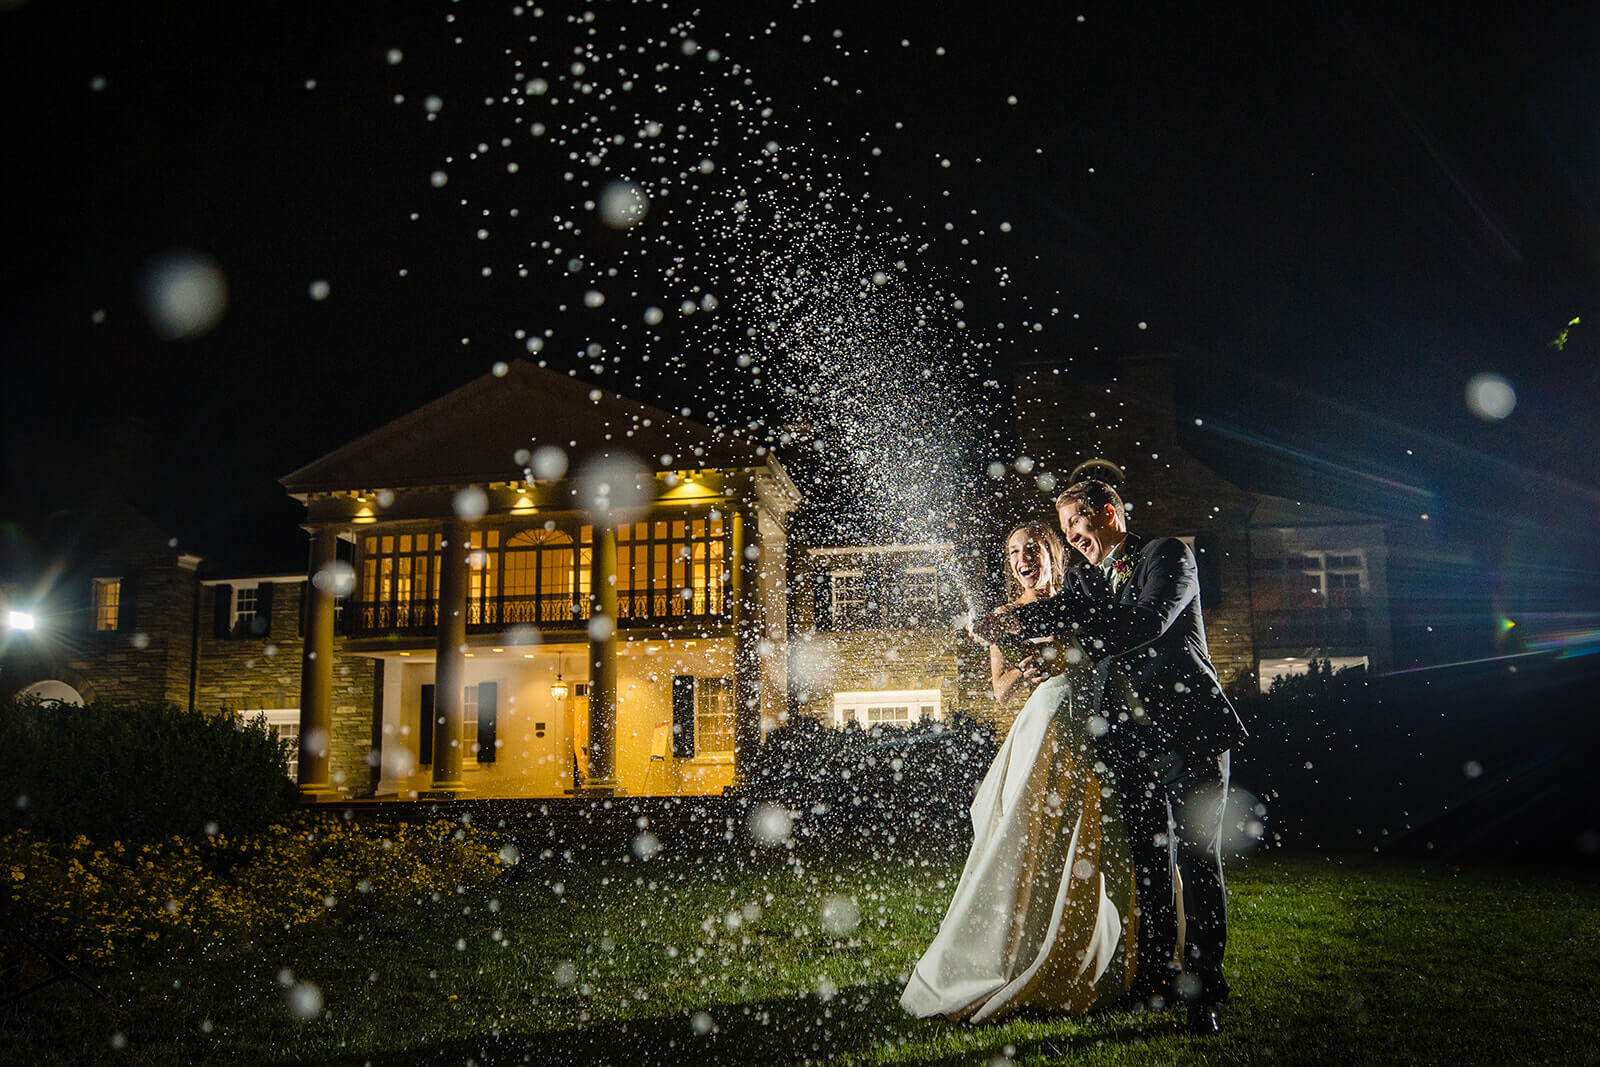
{"x":697,"y":959}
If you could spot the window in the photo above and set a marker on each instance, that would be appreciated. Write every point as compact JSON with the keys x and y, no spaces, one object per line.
{"x":853,"y":606}
{"x":713,"y":716}
{"x":284,"y":723}
{"x":881,"y":590}
{"x":244,"y":608}
{"x":107,"y":603}
{"x":672,"y":568}
{"x":537,"y":577}
{"x":918,"y":588}
{"x":702,"y":716}
{"x":469,"y":718}
{"x":886,"y":708}
{"x":666,"y":569}
{"x":399,"y":580}
{"x":1308,"y":581}
{"x":483,"y":584}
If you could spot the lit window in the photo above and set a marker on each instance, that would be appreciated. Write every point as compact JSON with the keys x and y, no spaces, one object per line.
{"x":284,"y":723}
{"x":702,"y":716}
{"x":245,"y":600}
{"x":713,"y":716}
{"x":672,"y":568}
{"x":537,"y":577}
{"x":399,"y":581}
{"x":469,"y":718}
{"x":886,"y":707}
{"x":107,"y":603}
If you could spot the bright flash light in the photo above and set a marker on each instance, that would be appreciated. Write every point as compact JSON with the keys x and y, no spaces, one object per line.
{"x":21,"y":620}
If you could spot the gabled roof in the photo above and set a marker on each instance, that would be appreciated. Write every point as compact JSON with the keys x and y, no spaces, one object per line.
{"x":473,"y":434}
{"x":1270,"y":511}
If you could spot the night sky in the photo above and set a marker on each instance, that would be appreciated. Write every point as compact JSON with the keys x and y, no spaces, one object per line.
{"x":1337,"y":219}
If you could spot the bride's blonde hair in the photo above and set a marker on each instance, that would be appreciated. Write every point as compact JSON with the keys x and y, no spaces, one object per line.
{"x":1055,"y":549}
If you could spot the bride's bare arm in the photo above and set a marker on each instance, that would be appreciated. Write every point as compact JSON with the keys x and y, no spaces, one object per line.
{"x":1006,"y":679}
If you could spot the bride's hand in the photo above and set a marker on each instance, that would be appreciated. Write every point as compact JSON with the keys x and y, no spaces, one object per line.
{"x":1033,"y":670}
{"x":986,"y":629}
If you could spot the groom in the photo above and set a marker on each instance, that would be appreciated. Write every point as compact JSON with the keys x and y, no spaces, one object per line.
{"x":1162,"y":726}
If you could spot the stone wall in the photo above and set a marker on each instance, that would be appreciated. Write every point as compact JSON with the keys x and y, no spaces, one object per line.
{"x":254,"y":671}
{"x":825,"y":660}
{"x":147,"y":657}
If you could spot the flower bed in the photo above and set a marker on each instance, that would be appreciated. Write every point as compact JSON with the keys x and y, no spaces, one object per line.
{"x":112,"y":904}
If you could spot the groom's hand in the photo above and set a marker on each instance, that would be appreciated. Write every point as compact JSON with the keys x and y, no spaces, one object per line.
{"x":987,"y":629}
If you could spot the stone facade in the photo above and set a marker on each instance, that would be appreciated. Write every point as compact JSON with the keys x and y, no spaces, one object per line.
{"x":831,"y":655}
{"x":252,"y":668}
{"x":147,"y":656}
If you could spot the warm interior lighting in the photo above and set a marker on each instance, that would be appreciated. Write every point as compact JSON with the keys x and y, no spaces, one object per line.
{"x":558,"y":688}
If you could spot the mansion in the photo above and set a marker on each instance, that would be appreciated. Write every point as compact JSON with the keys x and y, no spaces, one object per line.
{"x":532,"y":587}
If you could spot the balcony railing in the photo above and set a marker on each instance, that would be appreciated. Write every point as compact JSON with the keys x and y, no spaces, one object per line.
{"x":545,"y":610}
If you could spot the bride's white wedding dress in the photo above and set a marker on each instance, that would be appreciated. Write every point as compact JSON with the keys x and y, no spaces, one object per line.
{"x":1043,"y":913}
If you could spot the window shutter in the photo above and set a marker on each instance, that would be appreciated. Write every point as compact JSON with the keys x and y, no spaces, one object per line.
{"x":305,"y":593}
{"x":822,"y":612}
{"x":883,"y":607}
{"x":222,"y":616}
{"x":488,"y":694}
{"x":425,"y":736}
{"x":682,"y":716}
{"x":127,"y":604}
{"x":1208,"y":564}
{"x":261,"y":625}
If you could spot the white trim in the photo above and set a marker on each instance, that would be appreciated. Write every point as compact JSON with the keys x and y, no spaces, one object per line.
{"x":234,"y":614}
{"x":851,"y":706}
{"x":277,"y":718}
{"x":254,"y":581}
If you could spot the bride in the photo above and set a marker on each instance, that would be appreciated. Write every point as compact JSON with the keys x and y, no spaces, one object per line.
{"x":1042,"y":915}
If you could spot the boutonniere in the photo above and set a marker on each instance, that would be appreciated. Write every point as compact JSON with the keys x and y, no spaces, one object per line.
{"x":1121,"y":567}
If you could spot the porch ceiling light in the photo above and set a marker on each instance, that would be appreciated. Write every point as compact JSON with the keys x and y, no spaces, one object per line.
{"x":558,"y":688}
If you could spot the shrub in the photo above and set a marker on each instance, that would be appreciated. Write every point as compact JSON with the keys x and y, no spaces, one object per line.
{"x":140,"y":772}
{"x":881,"y":783}
{"x":121,"y":903}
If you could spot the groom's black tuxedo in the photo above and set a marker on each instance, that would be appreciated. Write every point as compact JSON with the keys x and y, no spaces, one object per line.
{"x":1151,"y":629}
{"x":1165,"y":729}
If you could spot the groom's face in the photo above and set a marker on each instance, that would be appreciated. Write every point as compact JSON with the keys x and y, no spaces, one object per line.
{"x":1093,"y":533}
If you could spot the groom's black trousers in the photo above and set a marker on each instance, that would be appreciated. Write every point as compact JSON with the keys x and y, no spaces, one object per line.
{"x":1174,"y":813}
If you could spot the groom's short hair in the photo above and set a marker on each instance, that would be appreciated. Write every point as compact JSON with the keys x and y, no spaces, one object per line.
{"x":1094,"y":495}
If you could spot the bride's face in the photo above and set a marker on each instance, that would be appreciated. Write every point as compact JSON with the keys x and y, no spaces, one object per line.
{"x":1029,"y":562}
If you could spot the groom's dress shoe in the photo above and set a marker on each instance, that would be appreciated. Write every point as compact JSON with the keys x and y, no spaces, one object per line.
{"x":1205,"y":1020}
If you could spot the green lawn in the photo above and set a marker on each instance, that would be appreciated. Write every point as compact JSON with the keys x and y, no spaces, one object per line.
{"x":697,"y":959}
